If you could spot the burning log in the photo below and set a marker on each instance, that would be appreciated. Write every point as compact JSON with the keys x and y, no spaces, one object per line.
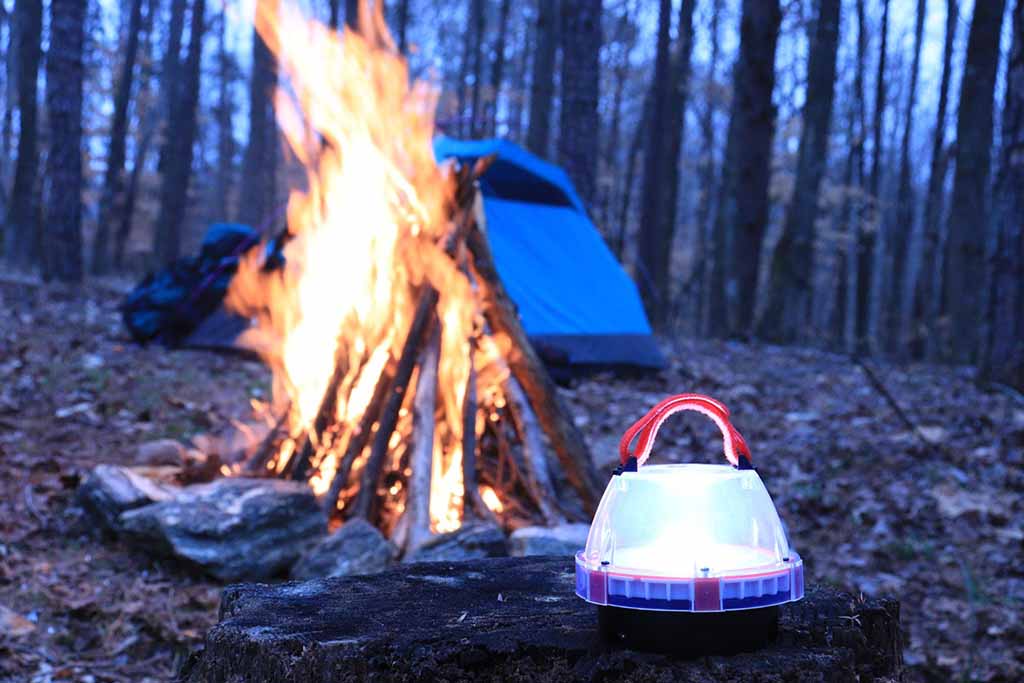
{"x":417,"y":509}
{"x":569,"y":444}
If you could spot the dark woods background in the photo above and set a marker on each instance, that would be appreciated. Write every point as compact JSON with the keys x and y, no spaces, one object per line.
{"x":843,"y":173}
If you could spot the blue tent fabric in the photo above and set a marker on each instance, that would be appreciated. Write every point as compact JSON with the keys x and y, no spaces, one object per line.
{"x":575,"y":300}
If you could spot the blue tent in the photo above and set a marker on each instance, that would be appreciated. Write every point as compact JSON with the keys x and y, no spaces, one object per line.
{"x":577,"y":304}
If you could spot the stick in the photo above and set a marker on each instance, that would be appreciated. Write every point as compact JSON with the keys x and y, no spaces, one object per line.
{"x":534,"y":458}
{"x":472,"y":501}
{"x":421,"y":460}
{"x":258,"y":462}
{"x":357,"y":441}
{"x":896,"y":408}
{"x":396,"y":395}
{"x":500,"y":312}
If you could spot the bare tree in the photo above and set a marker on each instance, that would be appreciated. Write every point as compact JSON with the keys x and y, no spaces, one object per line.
{"x":259,"y":164}
{"x":867,"y":229}
{"x":178,"y":145}
{"x":900,"y":230}
{"x":743,"y":210}
{"x":703,"y":248}
{"x":1004,"y":360}
{"x":21,"y":240}
{"x":580,"y":82}
{"x":966,"y":246}
{"x":661,"y":160}
{"x":498,"y":67}
{"x":478,"y":24}
{"x":792,"y":264}
{"x":542,"y":80}
{"x":64,"y":75}
{"x":225,"y":107}
{"x":111,"y":199}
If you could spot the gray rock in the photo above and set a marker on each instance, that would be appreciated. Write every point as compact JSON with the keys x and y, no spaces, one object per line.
{"x":161,"y":452}
{"x":470,"y":542}
{"x":234,"y":528}
{"x":564,"y":539}
{"x":110,"y":490}
{"x":356,"y":548}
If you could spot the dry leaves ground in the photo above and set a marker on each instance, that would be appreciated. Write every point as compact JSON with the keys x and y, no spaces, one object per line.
{"x":870,"y":505}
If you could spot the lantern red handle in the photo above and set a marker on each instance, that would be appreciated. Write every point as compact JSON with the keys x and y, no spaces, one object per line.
{"x":646,"y":428}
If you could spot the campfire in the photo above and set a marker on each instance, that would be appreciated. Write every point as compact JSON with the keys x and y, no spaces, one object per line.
{"x":405,"y":391}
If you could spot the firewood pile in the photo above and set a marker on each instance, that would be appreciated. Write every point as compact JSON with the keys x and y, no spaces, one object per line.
{"x":518,"y":443}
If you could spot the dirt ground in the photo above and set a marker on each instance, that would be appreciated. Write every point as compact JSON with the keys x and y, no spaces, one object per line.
{"x":932,"y":516}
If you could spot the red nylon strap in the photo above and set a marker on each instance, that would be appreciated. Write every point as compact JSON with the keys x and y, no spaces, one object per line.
{"x":647,"y":427}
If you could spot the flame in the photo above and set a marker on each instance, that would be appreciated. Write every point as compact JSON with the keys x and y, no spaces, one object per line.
{"x":491,"y":499}
{"x":365,"y":236}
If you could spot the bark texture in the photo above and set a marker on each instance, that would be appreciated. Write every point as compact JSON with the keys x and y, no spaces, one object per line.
{"x":970,"y":208}
{"x":508,"y":619}
{"x":792,"y":265}
{"x":581,"y":78}
{"x":64,"y":72}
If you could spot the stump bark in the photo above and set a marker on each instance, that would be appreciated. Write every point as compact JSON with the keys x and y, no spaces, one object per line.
{"x":508,"y":619}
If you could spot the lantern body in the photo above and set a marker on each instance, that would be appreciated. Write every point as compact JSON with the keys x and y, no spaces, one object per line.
{"x":688,"y":538}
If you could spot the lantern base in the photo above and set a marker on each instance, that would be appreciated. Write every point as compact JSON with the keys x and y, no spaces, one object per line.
{"x":689,"y":634}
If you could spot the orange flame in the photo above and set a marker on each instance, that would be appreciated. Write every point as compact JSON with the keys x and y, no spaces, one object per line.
{"x":364,"y":237}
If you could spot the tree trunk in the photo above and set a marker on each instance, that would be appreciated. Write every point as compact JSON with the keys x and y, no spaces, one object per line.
{"x":1005,"y":357}
{"x":333,"y":13}
{"x":635,"y":147}
{"x":147,"y":119}
{"x":661,"y":162}
{"x":477,"y":27}
{"x":867,"y":230}
{"x":581,"y":79}
{"x":970,"y":212}
{"x":927,"y":295}
{"x":708,"y":173}
{"x":259,"y":166}
{"x":64,"y":75}
{"x":112,"y":200}
{"x":518,"y":87}
{"x":743,"y":210}
{"x":178,"y":146}
{"x":610,"y":154}
{"x":22,"y":225}
{"x":352,"y":14}
{"x":403,"y":25}
{"x":498,"y":68}
{"x":649,"y":242}
{"x":792,"y":266}
{"x":226,"y":69}
{"x":901,"y":229}
{"x":542,"y":80}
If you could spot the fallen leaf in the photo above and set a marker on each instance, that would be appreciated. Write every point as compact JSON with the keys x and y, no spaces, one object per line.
{"x":13,"y":624}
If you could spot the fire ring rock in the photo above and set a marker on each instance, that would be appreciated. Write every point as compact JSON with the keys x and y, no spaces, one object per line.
{"x":110,"y":490}
{"x":356,"y":548}
{"x":234,"y":528}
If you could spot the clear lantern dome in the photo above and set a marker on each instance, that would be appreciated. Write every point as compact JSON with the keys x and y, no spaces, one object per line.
{"x":688,"y":537}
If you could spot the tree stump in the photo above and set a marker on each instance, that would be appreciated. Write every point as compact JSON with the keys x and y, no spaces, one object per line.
{"x":508,"y":619}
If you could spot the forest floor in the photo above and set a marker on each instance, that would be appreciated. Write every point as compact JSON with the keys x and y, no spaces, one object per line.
{"x":933,"y":517}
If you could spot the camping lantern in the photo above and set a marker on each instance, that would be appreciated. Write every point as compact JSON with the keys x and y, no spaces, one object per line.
{"x":687,"y":557}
